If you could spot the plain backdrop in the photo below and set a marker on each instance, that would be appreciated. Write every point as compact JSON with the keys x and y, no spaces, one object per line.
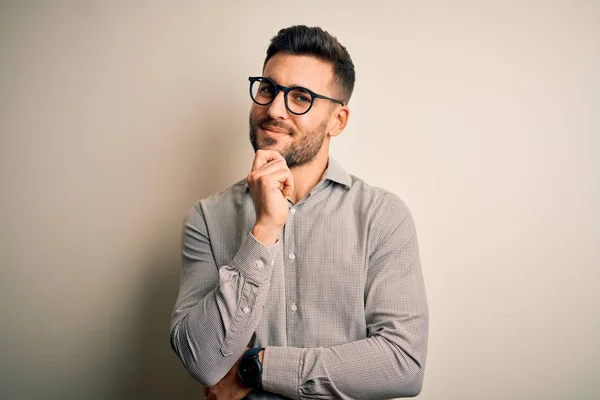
{"x":116,"y":116}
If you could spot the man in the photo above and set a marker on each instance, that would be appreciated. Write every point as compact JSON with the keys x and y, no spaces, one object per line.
{"x":301,"y":281}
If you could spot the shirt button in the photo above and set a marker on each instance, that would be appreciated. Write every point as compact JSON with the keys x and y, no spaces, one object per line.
{"x":246,"y":310}
{"x":292,"y":256}
{"x":294,"y":307}
{"x":272,"y":262}
{"x":293,"y":210}
{"x":259,"y":264}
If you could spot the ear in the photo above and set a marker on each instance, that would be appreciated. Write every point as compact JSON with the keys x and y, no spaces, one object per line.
{"x":340,"y":119}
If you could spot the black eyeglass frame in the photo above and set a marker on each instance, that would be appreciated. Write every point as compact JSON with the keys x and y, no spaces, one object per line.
{"x":285,"y":91}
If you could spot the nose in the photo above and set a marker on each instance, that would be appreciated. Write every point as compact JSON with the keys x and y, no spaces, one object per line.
{"x":277,"y":108}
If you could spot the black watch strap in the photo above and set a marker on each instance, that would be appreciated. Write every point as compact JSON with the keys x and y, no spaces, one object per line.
{"x":253,"y":352}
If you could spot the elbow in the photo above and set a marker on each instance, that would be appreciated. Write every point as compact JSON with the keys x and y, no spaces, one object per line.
{"x":199,"y":369}
{"x":202,"y":375}
{"x":411,"y":371}
{"x":406,"y":386}
{"x":412,"y":386}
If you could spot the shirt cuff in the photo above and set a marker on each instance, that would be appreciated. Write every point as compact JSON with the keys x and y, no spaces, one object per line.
{"x":254,"y":260}
{"x":281,"y":370}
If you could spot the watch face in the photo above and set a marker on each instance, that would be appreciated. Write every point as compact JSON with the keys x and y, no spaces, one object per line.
{"x":249,"y":370}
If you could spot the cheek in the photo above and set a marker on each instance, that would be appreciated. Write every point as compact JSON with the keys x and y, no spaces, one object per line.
{"x":257,"y":112}
{"x":306,"y":123}
{"x":312,"y":123}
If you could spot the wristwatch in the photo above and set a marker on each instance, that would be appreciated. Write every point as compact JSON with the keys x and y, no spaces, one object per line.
{"x":250,"y":368}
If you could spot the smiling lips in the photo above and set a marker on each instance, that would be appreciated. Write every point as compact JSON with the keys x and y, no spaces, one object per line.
{"x":274,"y":129}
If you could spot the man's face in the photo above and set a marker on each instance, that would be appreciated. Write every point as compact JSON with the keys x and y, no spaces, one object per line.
{"x":298,"y":138}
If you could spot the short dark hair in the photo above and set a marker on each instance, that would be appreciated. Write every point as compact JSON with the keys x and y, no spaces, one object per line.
{"x":314,"y":41}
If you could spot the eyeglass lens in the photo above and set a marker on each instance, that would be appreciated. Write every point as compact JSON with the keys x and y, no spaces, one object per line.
{"x":298,"y":100}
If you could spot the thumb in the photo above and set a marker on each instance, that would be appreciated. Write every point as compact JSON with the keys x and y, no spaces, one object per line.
{"x":287,"y":190}
{"x":288,"y":185}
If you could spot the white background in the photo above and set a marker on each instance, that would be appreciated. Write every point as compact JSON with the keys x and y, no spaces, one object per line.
{"x":115,"y":117}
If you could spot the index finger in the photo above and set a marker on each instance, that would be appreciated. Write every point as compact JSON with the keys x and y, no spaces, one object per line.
{"x":262,"y":157}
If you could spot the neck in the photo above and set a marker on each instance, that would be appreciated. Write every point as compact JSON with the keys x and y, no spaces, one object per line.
{"x":308,"y":176}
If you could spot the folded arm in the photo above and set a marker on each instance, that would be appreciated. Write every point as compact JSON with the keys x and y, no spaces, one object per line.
{"x":218,"y":307}
{"x":390,"y":361}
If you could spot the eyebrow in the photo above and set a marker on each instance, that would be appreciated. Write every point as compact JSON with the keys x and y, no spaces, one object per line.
{"x":289,"y":86}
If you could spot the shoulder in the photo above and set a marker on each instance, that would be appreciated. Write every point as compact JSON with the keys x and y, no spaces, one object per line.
{"x":221,"y":202}
{"x":231,"y":194}
{"x":379,"y":199}
{"x":389,"y":218}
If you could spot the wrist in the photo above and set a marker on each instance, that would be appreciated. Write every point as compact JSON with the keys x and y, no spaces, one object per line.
{"x":265,"y":234}
{"x":250,"y":368}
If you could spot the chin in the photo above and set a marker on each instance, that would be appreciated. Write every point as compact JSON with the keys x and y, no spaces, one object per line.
{"x":272,"y":147}
{"x":270,"y":143}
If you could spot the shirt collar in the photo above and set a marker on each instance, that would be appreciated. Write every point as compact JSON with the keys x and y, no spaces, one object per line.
{"x":334,"y":172}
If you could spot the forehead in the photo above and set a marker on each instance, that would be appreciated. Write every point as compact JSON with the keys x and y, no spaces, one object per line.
{"x":293,"y":70}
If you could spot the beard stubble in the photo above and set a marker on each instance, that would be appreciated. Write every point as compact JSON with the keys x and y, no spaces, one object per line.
{"x":297,"y":153}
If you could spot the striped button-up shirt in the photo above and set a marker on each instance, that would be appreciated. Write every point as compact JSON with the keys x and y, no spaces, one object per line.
{"x":338,"y":302}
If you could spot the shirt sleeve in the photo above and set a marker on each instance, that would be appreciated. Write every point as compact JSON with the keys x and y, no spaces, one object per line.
{"x":218,"y":307}
{"x":390,"y":361}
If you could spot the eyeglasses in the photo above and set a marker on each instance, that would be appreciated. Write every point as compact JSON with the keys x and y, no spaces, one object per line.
{"x":298,"y":100}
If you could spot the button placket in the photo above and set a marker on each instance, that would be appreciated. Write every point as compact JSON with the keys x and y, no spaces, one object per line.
{"x":290,"y":271}
{"x":288,"y":247}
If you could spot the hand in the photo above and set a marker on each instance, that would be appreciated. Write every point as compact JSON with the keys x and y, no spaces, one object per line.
{"x":230,"y":387}
{"x":270,"y":182}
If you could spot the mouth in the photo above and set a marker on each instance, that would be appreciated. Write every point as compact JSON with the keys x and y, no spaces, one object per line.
{"x":274,"y":131}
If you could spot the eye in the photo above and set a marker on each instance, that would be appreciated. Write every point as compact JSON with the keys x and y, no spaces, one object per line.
{"x":301,"y":98}
{"x":266,"y":89}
